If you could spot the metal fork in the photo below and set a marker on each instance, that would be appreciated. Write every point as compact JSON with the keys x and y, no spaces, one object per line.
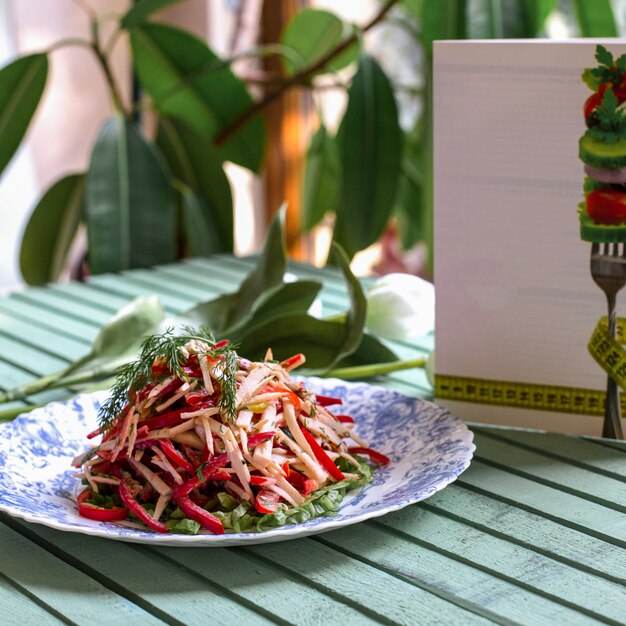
{"x":608,"y":270}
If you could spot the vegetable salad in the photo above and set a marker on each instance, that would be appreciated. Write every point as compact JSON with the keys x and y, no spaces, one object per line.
{"x":195,"y":438}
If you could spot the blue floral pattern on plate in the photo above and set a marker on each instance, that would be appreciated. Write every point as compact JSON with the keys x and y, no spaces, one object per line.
{"x":428,"y":447}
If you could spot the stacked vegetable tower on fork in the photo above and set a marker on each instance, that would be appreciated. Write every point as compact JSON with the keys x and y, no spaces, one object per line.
{"x":603,"y":151}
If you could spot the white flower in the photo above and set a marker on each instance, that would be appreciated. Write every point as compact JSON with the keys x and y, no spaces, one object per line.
{"x":400,"y":306}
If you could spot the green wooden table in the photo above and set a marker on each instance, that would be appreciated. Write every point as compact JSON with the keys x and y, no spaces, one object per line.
{"x":533,"y":533}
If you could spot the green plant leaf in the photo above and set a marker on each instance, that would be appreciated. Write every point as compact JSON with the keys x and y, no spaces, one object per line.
{"x":286,"y":299}
{"x":483,"y":19}
{"x":538,"y":12}
{"x":596,"y":19}
{"x":188,"y":81}
{"x":21,"y":86}
{"x":130,"y":210}
{"x":144,"y":9}
{"x":197,"y":164}
{"x":290,"y":334}
{"x":409,"y":206}
{"x":524,"y":19}
{"x":198,"y":224}
{"x":355,"y":318}
{"x":370,"y":147}
{"x":441,"y":19}
{"x":229,"y":310}
{"x":51,"y":230}
{"x":310,"y":35}
{"x":321,"y":191}
{"x":316,"y":339}
{"x":121,"y":336}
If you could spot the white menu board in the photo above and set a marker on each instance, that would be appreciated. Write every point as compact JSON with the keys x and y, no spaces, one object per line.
{"x":516,"y":304}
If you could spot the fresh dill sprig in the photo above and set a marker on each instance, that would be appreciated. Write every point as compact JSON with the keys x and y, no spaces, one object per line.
{"x":227,"y":377}
{"x":170,"y":350}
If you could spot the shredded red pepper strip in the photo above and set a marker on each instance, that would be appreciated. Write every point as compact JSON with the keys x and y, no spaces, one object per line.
{"x":174,"y":455}
{"x":200,"y":515}
{"x":346,"y":419}
{"x":326,"y":400}
{"x":259,"y":438}
{"x":100,"y":514}
{"x":134,"y":506}
{"x":374,"y":455}
{"x":212,"y":467}
{"x":322,"y":457}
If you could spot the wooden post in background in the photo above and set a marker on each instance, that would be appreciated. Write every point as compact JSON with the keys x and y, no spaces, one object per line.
{"x":286,"y":128}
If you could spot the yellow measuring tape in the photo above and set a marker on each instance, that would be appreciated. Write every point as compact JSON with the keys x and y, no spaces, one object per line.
{"x":605,"y":350}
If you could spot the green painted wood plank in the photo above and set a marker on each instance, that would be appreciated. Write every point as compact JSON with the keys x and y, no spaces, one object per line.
{"x":19,"y":607}
{"x":176,"y":592}
{"x":565,"y":508}
{"x":486,"y":594}
{"x":42,"y":338}
{"x":386,"y":597}
{"x":86,"y":293}
{"x":58,"y":323}
{"x":531,"y":531}
{"x":126,"y":285}
{"x":591,"y":455}
{"x":31,"y":359}
{"x":180,"y":296}
{"x":523,"y":567}
{"x":268,"y":585}
{"x":59,"y":585}
{"x":60,"y":303}
{"x":213,"y":281}
{"x":587,"y":484}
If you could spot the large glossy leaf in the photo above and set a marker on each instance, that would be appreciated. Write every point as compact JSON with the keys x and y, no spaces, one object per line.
{"x":409,"y":200}
{"x":278,"y":302}
{"x":21,"y":85}
{"x":322,"y":179}
{"x":524,"y":19}
{"x":316,"y":339}
{"x":197,"y":164}
{"x":229,"y":310}
{"x":370,"y":147}
{"x":355,"y":318}
{"x":188,"y":81}
{"x":129,"y":209}
{"x":538,"y":12}
{"x":596,"y":19}
{"x":313,"y":33}
{"x":483,"y":19}
{"x":51,"y":230}
{"x":441,"y":19}
{"x":144,"y":9}
{"x":199,"y":231}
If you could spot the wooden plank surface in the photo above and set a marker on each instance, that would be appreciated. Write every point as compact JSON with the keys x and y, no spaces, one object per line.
{"x":533,"y":533}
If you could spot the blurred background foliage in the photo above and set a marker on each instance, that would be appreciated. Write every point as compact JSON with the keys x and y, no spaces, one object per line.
{"x":156,"y":190}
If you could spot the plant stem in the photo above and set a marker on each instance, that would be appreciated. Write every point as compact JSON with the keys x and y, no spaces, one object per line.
{"x":9,"y":414}
{"x":106,"y":68}
{"x":59,"y":381}
{"x":377,"y":369}
{"x":299,"y":77}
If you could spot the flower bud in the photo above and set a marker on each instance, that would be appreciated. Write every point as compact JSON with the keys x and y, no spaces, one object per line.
{"x":400,"y":306}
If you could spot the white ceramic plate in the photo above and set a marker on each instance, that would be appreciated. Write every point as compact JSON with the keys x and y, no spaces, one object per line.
{"x":428,"y":448}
